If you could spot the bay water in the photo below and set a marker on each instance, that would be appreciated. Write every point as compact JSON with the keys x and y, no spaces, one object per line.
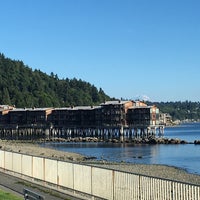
{"x":185,"y":156}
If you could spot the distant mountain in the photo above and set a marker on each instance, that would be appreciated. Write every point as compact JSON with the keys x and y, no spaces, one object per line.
{"x":23,"y":87}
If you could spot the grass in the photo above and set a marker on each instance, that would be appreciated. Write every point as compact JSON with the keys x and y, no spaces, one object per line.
{"x":8,"y":196}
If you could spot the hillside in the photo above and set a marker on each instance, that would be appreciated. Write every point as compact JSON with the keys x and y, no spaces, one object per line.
{"x":23,"y":87}
{"x":180,"y":110}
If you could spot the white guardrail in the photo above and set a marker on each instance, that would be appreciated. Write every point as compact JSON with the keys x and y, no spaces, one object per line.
{"x":96,"y":182}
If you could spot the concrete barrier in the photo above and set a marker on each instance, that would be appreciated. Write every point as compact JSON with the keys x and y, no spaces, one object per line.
{"x":65,"y":174}
{"x":27,"y":165}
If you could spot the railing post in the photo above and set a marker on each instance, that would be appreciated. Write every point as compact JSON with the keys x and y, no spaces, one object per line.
{"x":140,"y":195}
{"x":113,"y":183}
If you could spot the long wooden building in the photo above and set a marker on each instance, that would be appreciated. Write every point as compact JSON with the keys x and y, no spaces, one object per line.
{"x":113,"y":118}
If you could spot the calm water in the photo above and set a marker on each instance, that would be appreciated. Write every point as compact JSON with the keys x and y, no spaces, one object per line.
{"x":186,"y":156}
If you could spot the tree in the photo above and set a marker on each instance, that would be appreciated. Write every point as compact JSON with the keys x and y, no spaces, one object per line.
{"x":6,"y":97}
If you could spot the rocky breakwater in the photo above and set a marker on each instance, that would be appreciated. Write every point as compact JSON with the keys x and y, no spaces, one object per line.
{"x":76,"y":139}
{"x":165,"y":141}
{"x":152,"y":140}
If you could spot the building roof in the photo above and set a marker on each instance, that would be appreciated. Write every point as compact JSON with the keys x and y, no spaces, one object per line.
{"x":5,"y":107}
{"x":137,"y":107}
{"x":30,"y":109}
{"x":79,"y":108}
{"x":114,"y":102}
{"x":85,"y":107}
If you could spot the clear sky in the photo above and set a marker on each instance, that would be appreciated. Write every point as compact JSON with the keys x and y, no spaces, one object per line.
{"x":129,"y":48}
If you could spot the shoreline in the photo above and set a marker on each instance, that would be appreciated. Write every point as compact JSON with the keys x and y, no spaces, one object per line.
{"x":153,"y":170}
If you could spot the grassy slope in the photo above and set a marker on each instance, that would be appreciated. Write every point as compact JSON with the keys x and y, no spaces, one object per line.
{"x":8,"y":196}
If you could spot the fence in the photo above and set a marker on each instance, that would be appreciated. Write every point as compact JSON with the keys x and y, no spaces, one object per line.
{"x":97,"y":183}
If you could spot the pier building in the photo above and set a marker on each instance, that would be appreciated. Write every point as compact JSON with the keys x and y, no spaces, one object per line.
{"x":23,"y":116}
{"x":4,"y":109}
{"x":144,"y":118}
{"x":111,"y":119}
{"x":114,"y":113}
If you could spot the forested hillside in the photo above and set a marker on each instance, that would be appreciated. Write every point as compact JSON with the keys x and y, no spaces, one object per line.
{"x":23,"y":87}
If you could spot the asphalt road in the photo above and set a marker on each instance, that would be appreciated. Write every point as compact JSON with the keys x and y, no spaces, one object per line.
{"x":16,"y":185}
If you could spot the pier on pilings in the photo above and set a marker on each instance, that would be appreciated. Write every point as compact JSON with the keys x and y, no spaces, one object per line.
{"x":121,"y":133}
{"x":24,"y":132}
{"x":106,"y":133}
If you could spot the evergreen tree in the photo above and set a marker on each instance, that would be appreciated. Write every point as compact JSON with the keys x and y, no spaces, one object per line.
{"x":23,"y":87}
{"x":6,"y":97}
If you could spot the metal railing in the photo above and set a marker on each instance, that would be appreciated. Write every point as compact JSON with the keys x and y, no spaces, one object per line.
{"x":30,"y":195}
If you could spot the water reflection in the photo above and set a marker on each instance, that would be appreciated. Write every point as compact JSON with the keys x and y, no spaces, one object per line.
{"x":182,"y":156}
{"x":113,"y":152}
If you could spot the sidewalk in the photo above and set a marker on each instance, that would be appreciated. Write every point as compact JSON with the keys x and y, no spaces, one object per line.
{"x":15,"y":185}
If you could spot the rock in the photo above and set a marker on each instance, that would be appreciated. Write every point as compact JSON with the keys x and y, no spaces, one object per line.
{"x":197,"y":142}
{"x":166,"y":141}
{"x":174,"y":141}
{"x":115,"y":141}
{"x":90,"y":158}
{"x":152,"y":141}
{"x":95,"y":139}
{"x":183,"y":142}
{"x":160,"y":141}
{"x":145,"y":141}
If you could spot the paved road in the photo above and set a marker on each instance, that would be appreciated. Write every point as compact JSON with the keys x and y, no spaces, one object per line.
{"x":15,"y":185}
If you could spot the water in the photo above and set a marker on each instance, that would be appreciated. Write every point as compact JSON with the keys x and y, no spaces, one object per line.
{"x":188,"y":132}
{"x":185,"y":156}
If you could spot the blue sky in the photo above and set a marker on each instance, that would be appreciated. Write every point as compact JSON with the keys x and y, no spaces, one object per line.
{"x":129,"y":48}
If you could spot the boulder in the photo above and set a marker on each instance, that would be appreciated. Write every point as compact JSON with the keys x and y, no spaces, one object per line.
{"x":153,"y":141}
{"x":183,"y":142}
{"x":175,"y":141}
{"x":197,"y":142}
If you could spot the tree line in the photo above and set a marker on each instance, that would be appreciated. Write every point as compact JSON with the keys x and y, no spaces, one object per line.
{"x":23,"y":87}
{"x":180,"y":110}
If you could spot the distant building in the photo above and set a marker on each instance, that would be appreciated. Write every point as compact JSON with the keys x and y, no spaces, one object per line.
{"x":165,"y":119}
